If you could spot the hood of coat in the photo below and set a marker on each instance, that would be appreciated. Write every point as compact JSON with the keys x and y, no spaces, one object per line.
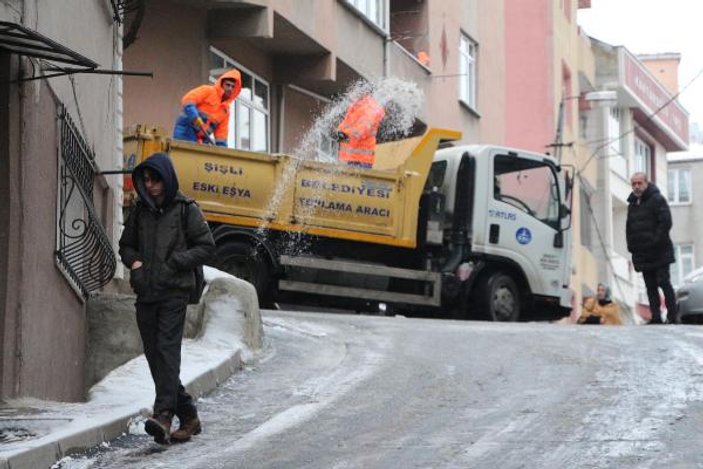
{"x":648,"y":192}
{"x":161,"y":164}
{"x":230,"y":75}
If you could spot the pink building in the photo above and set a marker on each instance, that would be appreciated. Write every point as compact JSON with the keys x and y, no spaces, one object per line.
{"x":549,"y":66}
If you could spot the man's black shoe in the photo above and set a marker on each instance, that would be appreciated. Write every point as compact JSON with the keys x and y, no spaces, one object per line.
{"x":159,"y":426}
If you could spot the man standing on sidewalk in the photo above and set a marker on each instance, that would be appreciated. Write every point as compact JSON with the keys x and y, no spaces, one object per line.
{"x":164,"y":239}
{"x":648,"y":225}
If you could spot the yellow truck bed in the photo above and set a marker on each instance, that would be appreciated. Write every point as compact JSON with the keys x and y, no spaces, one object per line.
{"x":280,"y":192}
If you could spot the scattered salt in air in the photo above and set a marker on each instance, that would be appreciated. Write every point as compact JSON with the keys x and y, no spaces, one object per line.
{"x":402,"y":101}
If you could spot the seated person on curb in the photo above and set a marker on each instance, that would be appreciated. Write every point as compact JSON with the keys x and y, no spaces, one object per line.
{"x":601,"y":310}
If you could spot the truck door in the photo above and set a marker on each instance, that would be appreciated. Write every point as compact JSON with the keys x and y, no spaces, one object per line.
{"x":523,"y":220}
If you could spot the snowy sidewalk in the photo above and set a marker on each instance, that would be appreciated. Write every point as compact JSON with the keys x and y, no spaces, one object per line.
{"x":47,"y":431}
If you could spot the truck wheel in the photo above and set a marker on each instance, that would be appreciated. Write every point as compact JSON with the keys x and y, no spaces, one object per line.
{"x":242,"y":260}
{"x":500,"y":298}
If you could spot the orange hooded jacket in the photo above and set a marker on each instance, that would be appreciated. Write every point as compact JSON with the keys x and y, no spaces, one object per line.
{"x":208,"y":100}
{"x":361,"y":125}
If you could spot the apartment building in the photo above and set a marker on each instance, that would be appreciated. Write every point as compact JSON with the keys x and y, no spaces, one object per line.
{"x":59,"y":129}
{"x":633,"y":133}
{"x":297,"y":56}
{"x":685,"y":176}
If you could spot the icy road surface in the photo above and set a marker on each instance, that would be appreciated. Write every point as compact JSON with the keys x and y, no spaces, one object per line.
{"x":338,"y":391}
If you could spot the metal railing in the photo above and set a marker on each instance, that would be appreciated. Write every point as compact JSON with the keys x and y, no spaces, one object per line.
{"x":84,"y":252}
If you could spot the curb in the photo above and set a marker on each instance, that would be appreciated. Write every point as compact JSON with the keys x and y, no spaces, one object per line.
{"x":54,"y":447}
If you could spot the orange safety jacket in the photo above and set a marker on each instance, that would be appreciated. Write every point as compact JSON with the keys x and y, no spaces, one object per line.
{"x":208,"y":100}
{"x":361,"y":125}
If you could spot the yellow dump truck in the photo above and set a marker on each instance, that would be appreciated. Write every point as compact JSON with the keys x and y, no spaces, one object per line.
{"x":471,"y":231}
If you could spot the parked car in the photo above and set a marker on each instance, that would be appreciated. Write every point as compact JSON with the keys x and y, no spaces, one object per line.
{"x":690,"y":297}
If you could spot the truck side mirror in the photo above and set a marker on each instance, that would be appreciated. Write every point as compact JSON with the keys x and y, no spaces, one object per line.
{"x":559,"y":239}
{"x":565,"y":205}
{"x":568,"y":185}
{"x":564,"y":211}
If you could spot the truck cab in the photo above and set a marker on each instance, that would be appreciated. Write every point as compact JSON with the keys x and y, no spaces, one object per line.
{"x":514,"y":206}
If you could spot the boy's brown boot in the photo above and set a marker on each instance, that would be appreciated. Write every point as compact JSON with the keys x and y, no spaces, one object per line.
{"x":159,"y":426}
{"x":188,"y":428}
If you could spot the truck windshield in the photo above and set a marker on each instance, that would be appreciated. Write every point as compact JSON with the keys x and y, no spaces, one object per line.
{"x":528,"y":185}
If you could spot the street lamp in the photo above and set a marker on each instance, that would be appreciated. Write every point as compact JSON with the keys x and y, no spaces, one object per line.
{"x":602,"y":97}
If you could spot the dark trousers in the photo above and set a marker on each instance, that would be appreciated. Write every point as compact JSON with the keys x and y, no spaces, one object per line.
{"x":161,"y":327}
{"x":653,"y":280}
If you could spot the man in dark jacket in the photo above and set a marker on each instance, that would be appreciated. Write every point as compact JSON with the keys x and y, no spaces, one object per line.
{"x":648,"y":225}
{"x":164,"y":239}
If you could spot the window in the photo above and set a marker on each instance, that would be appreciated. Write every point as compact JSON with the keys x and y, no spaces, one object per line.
{"x":643,"y":158}
{"x":328,"y":149}
{"x":684,"y":263}
{"x":249,"y":116}
{"x":680,"y":186}
{"x":374,"y":10}
{"x":467,"y":70}
{"x":527,"y":185}
{"x":618,"y":163}
{"x":409,"y":26}
{"x":436,"y":176}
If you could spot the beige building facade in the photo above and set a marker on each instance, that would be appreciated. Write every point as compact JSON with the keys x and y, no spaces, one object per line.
{"x":57,"y":222}
{"x":300,"y":55}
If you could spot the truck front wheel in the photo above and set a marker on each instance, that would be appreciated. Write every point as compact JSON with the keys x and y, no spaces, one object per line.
{"x":244,"y":261}
{"x":499,"y":298}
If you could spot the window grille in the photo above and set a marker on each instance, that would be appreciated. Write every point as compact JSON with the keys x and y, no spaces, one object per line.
{"x":84,"y":253}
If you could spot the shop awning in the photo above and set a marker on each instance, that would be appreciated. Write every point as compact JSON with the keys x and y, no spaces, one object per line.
{"x":17,"y":39}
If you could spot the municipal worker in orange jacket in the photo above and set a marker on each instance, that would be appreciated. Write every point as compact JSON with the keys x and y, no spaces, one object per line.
{"x":205,"y":116}
{"x":357,"y":132}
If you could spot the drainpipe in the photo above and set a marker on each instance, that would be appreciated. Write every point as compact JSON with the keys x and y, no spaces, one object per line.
{"x":281,"y":116}
{"x":387,"y":41}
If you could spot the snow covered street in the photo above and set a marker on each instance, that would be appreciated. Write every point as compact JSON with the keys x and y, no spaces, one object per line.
{"x":339,"y":391}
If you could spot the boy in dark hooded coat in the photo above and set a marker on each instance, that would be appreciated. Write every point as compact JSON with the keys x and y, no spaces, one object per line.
{"x":164,"y":239}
